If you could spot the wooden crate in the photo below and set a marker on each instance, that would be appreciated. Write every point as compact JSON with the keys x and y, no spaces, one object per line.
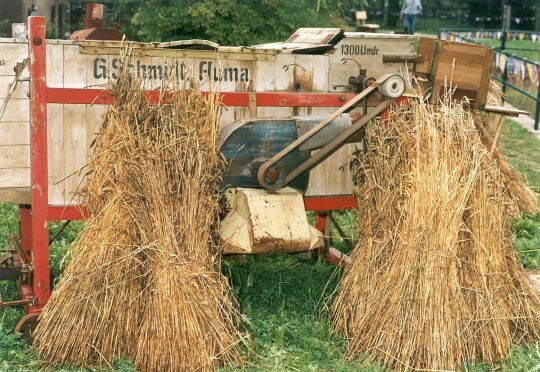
{"x":466,"y":68}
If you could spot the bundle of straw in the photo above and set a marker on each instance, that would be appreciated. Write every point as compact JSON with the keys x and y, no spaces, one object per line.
{"x":434,"y":280}
{"x":144,"y":281}
{"x":489,"y":126}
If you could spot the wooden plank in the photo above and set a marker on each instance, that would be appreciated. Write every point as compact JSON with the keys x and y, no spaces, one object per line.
{"x":265,"y":81}
{"x":229,"y":85}
{"x":21,"y":89}
{"x":15,"y":156}
{"x":94,"y":122}
{"x":74,"y":67}
{"x":198,"y":44}
{"x":55,"y":145}
{"x":338,"y":180}
{"x":229,"y":73}
{"x":245,"y":86}
{"x":249,"y":55}
{"x":55,"y":121}
{"x":505,"y":110}
{"x":12,"y":53}
{"x":17,"y":109}
{"x":14,"y":178}
{"x":14,"y":133}
{"x":303,"y":80}
{"x":55,"y":65}
{"x":397,"y":58}
{"x":327,"y":178}
{"x":426,"y":46}
{"x":284,"y":81}
{"x":16,"y":195}
{"x":98,"y":70}
{"x":317,"y":179}
{"x":303,"y":73}
{"x":74,"y":150}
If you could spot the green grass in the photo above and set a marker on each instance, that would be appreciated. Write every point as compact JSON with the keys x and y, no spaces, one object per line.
{"x":532,"y":55}
{"x":283,"y":296}
{"x":516,"y":98}
{"x":523,"y":152}
{"x":521,"y":101}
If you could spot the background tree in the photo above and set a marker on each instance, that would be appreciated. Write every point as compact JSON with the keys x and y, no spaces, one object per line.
{"x":231,"y":21}
{"x":248,"y":22}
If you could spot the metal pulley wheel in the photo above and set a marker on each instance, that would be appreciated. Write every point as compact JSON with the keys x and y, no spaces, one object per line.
{"x":393,"y":87}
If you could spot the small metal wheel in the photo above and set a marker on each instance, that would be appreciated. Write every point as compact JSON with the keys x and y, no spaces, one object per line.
{"x":274,"y":178}
{"x":393,"y":87}
{"x":26,"y":326}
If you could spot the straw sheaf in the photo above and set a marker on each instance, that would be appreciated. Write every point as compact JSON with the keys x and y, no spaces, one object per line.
{"x":489,"y":126}
{"x":434,"y":280}
{"x":144,"y":281}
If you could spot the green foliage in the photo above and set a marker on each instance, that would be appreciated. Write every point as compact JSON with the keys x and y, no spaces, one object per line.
{"x":14,"y":353}
{"x":9,"y":221}
{"x":229,"y":22}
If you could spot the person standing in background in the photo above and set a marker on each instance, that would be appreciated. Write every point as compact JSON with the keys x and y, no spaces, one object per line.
{"x":409,"y":11}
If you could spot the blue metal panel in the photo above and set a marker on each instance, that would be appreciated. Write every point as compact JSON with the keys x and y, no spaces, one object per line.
{"x":247,"y":145}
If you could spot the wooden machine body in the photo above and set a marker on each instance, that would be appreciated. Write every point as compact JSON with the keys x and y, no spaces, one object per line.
{"x":88,"y":65}
{"x":53,"y":94}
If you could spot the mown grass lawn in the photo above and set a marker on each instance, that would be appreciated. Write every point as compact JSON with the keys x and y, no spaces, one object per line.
{"x":283,"y":296}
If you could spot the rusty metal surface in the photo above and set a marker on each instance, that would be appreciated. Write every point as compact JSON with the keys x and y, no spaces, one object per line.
{"x":94,"y":15}
{"x":25,"y":327}
{"x":97,"y":34}
{"x":94,"y":23}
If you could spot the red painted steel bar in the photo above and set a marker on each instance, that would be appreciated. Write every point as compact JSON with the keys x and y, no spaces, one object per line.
{"x":263,"y":99}
{"x":329,"y":203}
{"x":25,"y":229}
{"x":39,"y":179}
{"x":67,"y":212}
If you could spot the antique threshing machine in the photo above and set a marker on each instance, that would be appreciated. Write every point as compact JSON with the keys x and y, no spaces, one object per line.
{"x":294,"y":113}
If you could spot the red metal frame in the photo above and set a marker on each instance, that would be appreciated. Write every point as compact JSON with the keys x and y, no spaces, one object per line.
{"x":34,"y":218}
{"x":38,"y":141}
{"x":262,"y":99}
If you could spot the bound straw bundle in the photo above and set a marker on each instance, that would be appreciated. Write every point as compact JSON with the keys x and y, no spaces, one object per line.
{"x":489,"y":126}
{"x":434,"y":281}
{"x":144,"y":280}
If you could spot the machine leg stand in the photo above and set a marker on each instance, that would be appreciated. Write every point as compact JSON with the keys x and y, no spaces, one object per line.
{"x":322,"y":223}
{"x":330,"y":254}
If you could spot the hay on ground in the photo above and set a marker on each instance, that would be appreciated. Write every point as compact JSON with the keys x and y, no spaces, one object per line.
{"x":434,"y":280}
